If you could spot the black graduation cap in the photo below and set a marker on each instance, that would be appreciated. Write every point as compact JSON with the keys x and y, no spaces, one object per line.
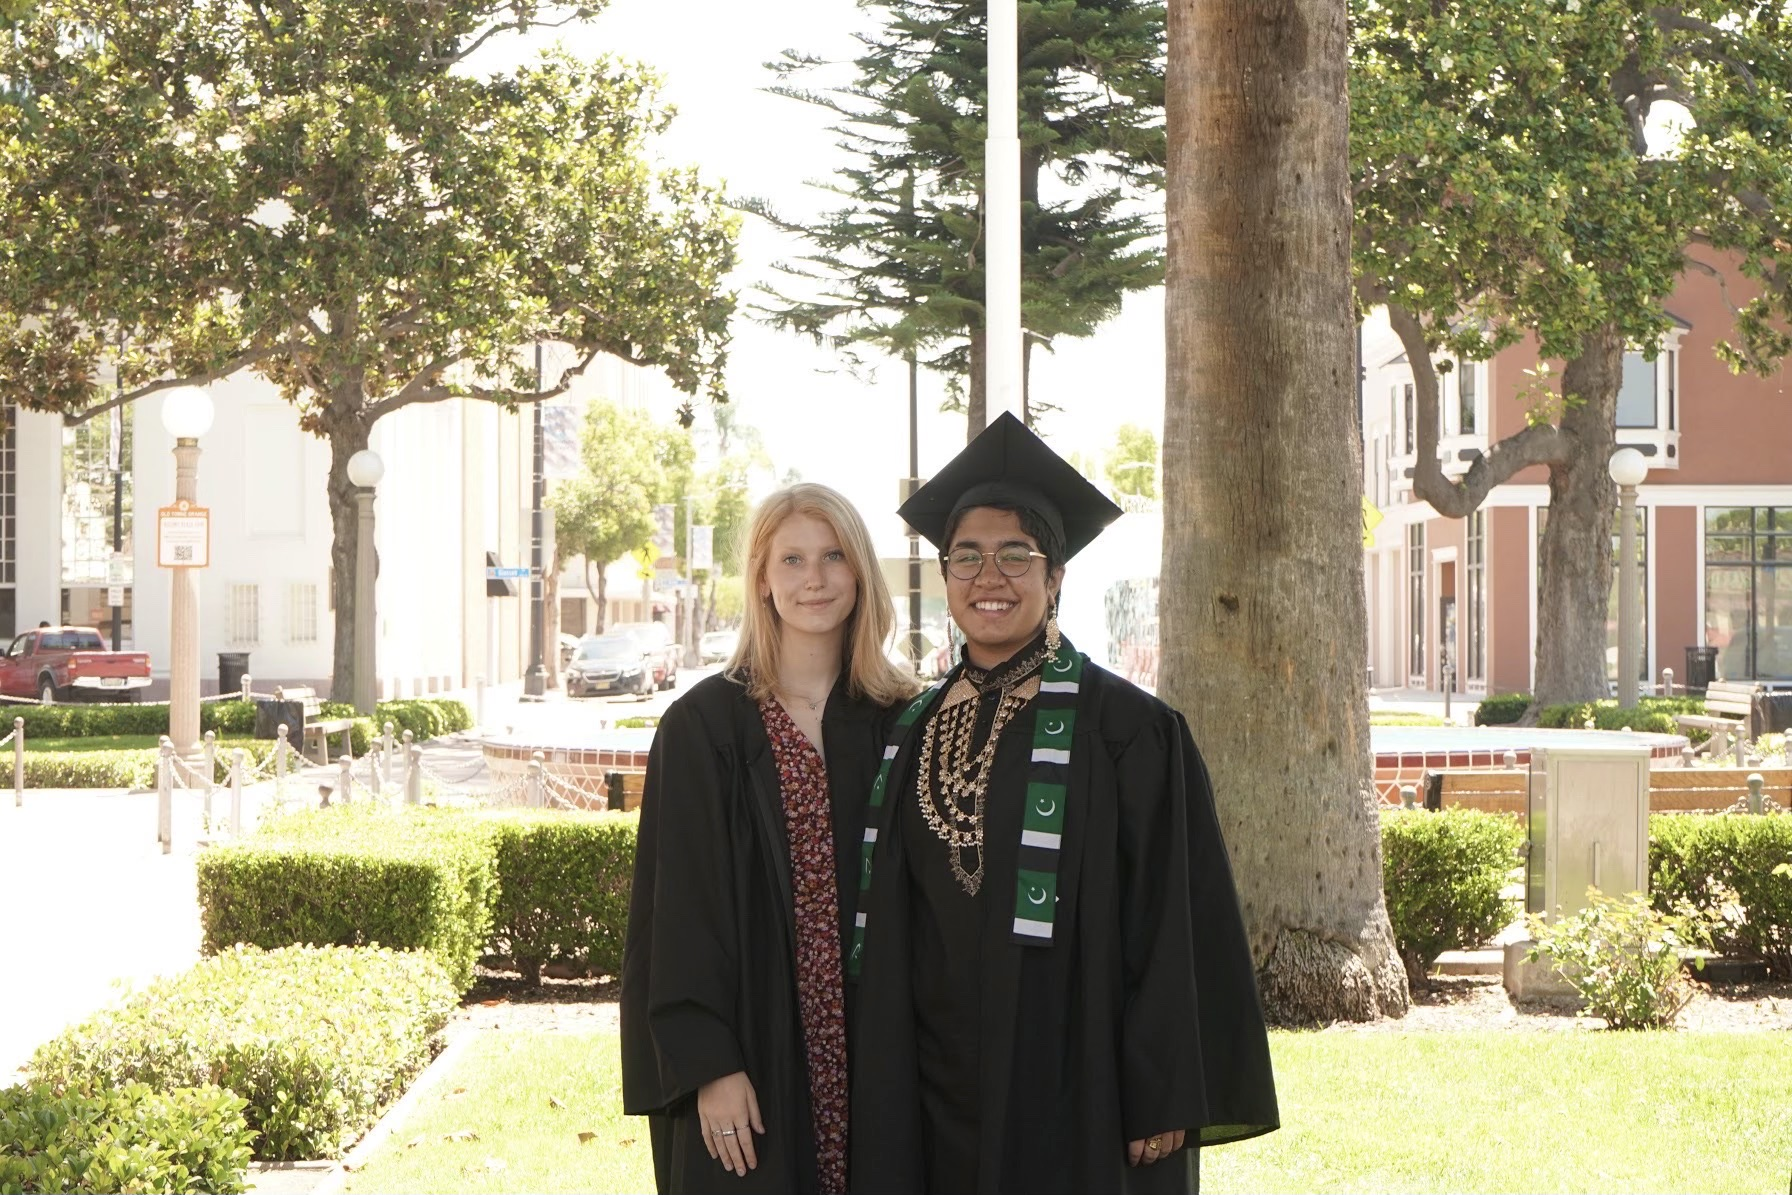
{"x":1009,"y":465}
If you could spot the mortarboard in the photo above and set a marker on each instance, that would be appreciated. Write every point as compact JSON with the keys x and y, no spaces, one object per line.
{"x":1009,"y":465}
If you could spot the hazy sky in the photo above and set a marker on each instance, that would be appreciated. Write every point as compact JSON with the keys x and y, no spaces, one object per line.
{"x":831,"y":427}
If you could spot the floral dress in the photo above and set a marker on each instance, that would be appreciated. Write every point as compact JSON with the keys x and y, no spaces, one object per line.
{"x":820,"y":985}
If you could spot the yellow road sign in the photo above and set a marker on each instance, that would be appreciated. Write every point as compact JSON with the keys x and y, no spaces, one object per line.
{"x":1372,"y":519}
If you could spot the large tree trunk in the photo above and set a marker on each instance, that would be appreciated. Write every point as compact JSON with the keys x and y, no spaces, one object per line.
{"x":1263,"y":628}
{"x":1574,"y":574}
{"x":346,"y":436}
{"x":602,"y":591}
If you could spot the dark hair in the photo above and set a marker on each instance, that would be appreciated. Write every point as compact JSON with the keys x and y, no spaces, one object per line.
{"x":1030,"y":523}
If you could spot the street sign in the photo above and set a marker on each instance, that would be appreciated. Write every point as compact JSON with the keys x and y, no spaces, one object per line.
{"x":115,"y":595}
{"x":183,"y":536}
{"x":1372,"y":519}
{"x":117,"y":571}
{"x":507,"y":573}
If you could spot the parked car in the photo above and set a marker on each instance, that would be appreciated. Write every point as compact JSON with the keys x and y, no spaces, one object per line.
{"x":655,"y":637}
{"x":716,"y":646}
{"x":71,"y":664}
{"x":610,"y":664}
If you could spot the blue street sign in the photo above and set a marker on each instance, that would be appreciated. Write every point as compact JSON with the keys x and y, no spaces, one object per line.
{"x":506,"y":573}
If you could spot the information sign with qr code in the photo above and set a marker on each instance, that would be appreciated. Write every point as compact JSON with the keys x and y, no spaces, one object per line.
{"x":183,"y":536}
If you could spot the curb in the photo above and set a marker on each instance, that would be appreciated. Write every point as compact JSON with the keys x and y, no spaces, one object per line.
{"x":332,"y":1175}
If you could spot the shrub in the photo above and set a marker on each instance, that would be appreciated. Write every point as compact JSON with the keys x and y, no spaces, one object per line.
{"x":353,"y":876}
{"x":1502,"y":709}
{"x":90,"y":769}
{"x":129,"y":1138}
{"x":563,"y":889}
{"x":639,"y":722}
{"x":68,"y":721}
{"x":1442,"y":874}
{"x":1653,"y":714}
{"x":1623,"y":956}
{"x":316,"y":1041}
{"x":1736,"y":870}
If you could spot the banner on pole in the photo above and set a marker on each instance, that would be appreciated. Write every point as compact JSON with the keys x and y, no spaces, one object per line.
{"x":663,"y":538}
{"x":703,"y":556}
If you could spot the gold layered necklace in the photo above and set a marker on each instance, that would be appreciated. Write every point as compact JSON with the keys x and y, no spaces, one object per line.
{"x":955,"y":769}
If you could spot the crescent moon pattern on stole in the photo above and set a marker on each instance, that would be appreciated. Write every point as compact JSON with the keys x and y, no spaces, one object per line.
{"x":1045,"y":807}
{"x":1064,"y":665}
{"x":1055,"y":728}
{"x":1036,"y":900}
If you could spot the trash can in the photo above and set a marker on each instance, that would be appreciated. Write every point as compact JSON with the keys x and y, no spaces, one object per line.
{"x":1773,"y":709}
{"x":270,"y":715}
{"x":1701,"y":668}
{"x":233,"y":666}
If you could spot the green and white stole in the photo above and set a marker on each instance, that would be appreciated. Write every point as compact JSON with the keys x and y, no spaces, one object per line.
{"x":1042,"y":826}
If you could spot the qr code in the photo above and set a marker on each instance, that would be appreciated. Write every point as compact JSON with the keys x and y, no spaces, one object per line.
{"x":183,"y":553}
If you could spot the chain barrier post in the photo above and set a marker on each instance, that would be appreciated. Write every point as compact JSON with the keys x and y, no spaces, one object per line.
{"x":211,"y":772}
{"x":345,"y":783}
{"x":413,"y":776}
{"x":248,"y":687}
{"x":165,"y":795}
{"x":405,"y":765}
{"x":479,"y":700}
{"x":236,"y":793}
{"x":281,"y":746}
{"x":537,"y":788}
{"x":385,"y":756}
{"x":18,"y":762}
{"x":1667,"y":682}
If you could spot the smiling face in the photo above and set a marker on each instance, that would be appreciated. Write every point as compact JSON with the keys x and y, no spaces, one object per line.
{"x":999,"y":615}
{"x":807,"y":577}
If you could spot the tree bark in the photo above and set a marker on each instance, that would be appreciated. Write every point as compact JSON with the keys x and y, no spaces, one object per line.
{"x":601,"y":588}
{"x":1261,"y":466}
{"x":1574,"y":561}
{"x":347,"y":434}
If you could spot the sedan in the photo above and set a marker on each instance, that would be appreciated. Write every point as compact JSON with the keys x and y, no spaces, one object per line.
{"x":609,"y":665}
{"x":716,"y":646}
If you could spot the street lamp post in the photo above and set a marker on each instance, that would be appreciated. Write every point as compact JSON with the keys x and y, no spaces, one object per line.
{"x":535,"y":681}
{"x":365,"y":469}
{"x":1628,"y":468}
{"x":186,"y":415}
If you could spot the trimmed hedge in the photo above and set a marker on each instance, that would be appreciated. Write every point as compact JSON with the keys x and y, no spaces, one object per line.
{"x":1736,"y":869}
{"x":1442,"y":874}
{"x":355,"y":875}
{"x":136,"y":767}
{"x":1652,"y":714}
{"x":526,"y":887}
{"x":316,"y":1041}
{"x":1502,"y":709}
{"x":563,"y":889}
{"x":129,"y":1138}
{"x":423,"y":717}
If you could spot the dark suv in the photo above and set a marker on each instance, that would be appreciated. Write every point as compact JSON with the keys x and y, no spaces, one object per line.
{"x":656,"y":639}
{"x":610,"y":664}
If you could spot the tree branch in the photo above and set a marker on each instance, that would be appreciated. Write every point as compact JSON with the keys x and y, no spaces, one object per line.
{"x":240,"y":361}
{"x":1537,"y":444}
{"x":420,"y":389}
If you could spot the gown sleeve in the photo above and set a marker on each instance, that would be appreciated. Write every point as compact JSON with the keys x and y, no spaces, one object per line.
{"x":681,"y":959}
{"x":1194,"y":1050}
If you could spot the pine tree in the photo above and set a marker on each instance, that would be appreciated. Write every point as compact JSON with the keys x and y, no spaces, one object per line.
{"x":899,"y":266}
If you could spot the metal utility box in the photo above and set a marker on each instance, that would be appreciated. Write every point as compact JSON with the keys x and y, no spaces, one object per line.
{"x":1587,"y":825}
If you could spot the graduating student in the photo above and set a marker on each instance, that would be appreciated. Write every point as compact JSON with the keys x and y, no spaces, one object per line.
{"x":1055,"y":990}
{"x":733,"y":1006}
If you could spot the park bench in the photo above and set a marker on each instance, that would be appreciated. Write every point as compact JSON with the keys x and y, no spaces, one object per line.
{"x":1729,"y":710}
{"x":318,"y":729}
{"x":622,"y":790}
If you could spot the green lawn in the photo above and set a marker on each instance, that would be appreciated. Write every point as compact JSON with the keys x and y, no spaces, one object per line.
{"x":115,"y":742}
{"x":1495,"y":1111}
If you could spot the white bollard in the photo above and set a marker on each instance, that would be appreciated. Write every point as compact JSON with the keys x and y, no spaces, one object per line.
{"x":18,"y":762}
{"x":373,"y":769}
{"x":165,"y":795}
{"x":1511,"y":759}
{"x":211,"y":772}
{"x":386,"y":757}
{"x":406,"y":753}
{"x":345,"y":785}
{"x":538,"y":782}
{"x":236,"y":793}
{"x":479,"y":700}
{"x":413,"y":778}
{"x":248,"y":687}
{"x":281,"y":746}
{"x":1667,"y":682}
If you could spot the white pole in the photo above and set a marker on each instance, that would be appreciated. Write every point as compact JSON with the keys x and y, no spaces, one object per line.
{"x":1627,"y":595}
{"x":1001,"y":214}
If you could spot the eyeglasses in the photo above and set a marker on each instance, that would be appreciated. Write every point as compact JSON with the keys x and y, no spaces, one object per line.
{"x":1012,"y":560}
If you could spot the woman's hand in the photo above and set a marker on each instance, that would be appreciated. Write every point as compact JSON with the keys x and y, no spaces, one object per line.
{"x":1154,"y":1148}
{"x":729,"y":1114}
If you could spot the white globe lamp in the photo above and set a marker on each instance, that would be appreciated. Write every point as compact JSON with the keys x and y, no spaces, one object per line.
{"x":187,"y":412}
{"x":365,"y":469}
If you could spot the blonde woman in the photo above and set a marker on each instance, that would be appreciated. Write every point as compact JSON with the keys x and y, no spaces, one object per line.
{"x":746,"y":869}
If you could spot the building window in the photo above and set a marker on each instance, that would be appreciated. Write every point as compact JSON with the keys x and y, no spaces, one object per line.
{"x":1636,"y":394}
{"x":1408,"y":420}
{"x":1673,"y":389}
{"x":1476,"y":663}
{"x":96,"y":498}
{"x":1748,"y":591}
{"x":242,"y":627}
{"x":301,"y":612}
{"x":1415,"y":597}
{"x":1642,"y":599}
{"x":1467,"y":390}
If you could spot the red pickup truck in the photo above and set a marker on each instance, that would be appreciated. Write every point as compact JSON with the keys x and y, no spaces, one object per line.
{"x":71,"y":664}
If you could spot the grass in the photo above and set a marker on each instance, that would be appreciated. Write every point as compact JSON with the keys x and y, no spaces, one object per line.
{"x":1403,"y":718}
{"x":1418,"y":1112}
{"x":113,"y":742}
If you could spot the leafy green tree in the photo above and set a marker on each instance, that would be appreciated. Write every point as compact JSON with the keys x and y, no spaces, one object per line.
{"x":1132,"y":465}
{"x":899,"y":266}
{"x":606,"y":512}
{"x":316,"y":193}
{"x":1505,"y":184}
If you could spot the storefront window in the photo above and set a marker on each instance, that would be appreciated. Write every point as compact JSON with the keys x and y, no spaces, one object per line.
{"x":1748,"y":591}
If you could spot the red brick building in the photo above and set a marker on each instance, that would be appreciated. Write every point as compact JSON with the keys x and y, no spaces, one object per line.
{"x":1714,"y":513}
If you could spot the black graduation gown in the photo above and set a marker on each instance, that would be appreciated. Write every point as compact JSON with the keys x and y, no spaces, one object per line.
{"x":1141,"y":1017}
{"x":709,"y":965}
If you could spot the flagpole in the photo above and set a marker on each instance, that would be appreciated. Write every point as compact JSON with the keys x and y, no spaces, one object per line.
{"x":1001,"y":279}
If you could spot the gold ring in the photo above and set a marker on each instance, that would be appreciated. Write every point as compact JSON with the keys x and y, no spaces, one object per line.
{"x":1151,"y":1145}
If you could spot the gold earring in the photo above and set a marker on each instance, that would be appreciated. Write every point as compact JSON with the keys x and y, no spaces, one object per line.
{"x":1054,"y":639}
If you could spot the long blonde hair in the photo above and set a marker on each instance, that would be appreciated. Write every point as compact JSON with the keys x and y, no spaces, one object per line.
{"x":869,"y":673}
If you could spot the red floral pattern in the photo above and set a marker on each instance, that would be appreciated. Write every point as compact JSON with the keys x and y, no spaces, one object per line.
{"x":821,"y":996}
